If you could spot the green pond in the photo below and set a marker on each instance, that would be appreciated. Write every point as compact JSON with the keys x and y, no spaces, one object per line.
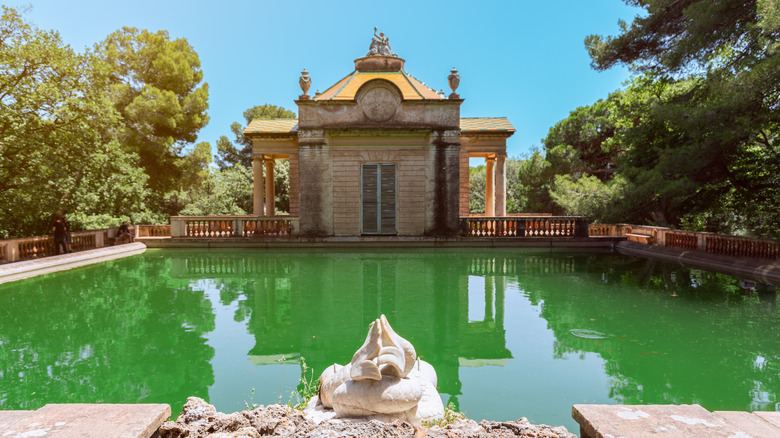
{"x":511,"y":333}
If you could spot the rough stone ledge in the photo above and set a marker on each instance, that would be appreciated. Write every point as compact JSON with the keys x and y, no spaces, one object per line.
{"x":201,"y":420}
{"x":764,"y":270}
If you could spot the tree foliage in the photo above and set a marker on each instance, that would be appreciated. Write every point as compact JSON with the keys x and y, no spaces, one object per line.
{"x":240,"y":149}
{"x":54,"y":151}
{"x":239,"y":152}
{"x":223,"y":191}
{"x":155,"y":86}
{"x":691,"y":140}
{"x":98,"y":134}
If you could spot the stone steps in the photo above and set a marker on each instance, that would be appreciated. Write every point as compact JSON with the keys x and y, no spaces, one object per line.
{"x":85,"y":420}
{"x":602,"y":421}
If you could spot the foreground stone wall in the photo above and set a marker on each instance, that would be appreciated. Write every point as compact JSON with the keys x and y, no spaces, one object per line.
{"x":201,"y":420}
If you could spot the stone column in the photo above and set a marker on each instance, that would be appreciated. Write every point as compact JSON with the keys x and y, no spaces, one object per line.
{"x":270,"y":195}
{"x":490,"y":284}
{"x":501,"y":186}
{"x":500,"y":288}
{"x":490,"y":206}
{"x":315,"y":173}
{"x":257,"y":191}
{"x":444,"y":170}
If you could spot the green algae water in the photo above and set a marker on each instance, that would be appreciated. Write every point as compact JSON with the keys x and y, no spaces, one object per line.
{"x":511,"y":333}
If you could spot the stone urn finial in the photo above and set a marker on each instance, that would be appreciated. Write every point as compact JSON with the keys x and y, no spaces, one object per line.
{"x":305,"y":83}
{"x":454,"y":80}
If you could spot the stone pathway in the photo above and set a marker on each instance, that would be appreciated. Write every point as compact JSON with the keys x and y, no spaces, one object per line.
{"x":613,"y":421}
{"x":31,"y":268}
{"x":85,"y":420}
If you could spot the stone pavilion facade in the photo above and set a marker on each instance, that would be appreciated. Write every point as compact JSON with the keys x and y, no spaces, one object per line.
{"x":379,"y":153}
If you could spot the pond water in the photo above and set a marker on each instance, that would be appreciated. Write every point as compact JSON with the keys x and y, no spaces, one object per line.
{"x":511,"y":333}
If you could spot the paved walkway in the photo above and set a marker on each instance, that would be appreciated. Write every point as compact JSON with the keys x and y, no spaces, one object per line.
{"x":30,"y":268}
{"x":672,"y":421}
{"x":85,"y":420}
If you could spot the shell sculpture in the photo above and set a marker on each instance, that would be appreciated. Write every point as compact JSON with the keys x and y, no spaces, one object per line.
{"x":385,"y":381}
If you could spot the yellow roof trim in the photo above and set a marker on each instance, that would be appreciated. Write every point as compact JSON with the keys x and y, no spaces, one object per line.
{"x":347,"y":88}
{"x":467,"y":124}
{"x":271,"y":126}
{"x":486,"y":124}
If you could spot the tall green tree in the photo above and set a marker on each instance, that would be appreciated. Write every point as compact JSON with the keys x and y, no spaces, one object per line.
{"x":697,"y":150}
{"x":156,"y":87}
{"x":477,"y":189}
{"x":223,"y":191}
{"x":55,"y":149}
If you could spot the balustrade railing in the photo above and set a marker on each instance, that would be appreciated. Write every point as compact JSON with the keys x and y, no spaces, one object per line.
{"x":605,"y":230}
{"x":694,"y":240}
{"x":153,"y":231}
{"x":82,"y":241}
{"x":27,"y":248}
{"x":740,"y":246}
{"x":546,"y":226}
{"x":681,"y":239}
{"x":35,"y":247}
{"x":233,"y":226}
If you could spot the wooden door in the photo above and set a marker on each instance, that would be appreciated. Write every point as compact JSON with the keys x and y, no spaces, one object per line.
{"x":378,"y":198}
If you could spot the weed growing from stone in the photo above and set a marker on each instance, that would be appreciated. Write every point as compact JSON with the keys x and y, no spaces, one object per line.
{"x":251,"y":405}
{"x":450,"y":416}
{"x":308,"y":387}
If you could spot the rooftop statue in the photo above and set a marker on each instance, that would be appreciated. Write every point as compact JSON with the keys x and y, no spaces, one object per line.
{"x":384,"y":381}
{"x":380,"y":45}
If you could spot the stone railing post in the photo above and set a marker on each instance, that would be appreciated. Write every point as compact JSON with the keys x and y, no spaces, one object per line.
{"x":294,"y":227}
{"x":99,"y":241}
{"x":701,"y":241}
{"x":238,"y":227}
{"x":581,"y":227}
{"x":177,"y":226}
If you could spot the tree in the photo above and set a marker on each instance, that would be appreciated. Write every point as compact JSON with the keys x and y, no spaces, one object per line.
{"x":53,"y":121}
{"x":240,"y":150}
{"x":477,"y":189}
{"x":535,"y":177}
{"x":155,"y":86}
{"x":224,"y":191}
{"x":579,"y":144}
{"x":695,"y":151}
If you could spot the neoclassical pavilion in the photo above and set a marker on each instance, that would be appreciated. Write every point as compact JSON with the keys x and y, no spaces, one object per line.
{"x":379,"y":153}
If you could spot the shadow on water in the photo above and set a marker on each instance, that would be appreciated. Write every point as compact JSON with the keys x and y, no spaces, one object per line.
{"x":137,"y":330}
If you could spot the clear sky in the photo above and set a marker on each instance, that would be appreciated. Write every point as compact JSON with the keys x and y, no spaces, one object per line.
{"x":521,"y":59}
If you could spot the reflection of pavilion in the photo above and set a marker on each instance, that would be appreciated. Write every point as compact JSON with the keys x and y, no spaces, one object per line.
{"x":320,"y":307}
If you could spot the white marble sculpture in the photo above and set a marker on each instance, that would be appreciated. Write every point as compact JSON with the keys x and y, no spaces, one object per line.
{"x":385,"y":381}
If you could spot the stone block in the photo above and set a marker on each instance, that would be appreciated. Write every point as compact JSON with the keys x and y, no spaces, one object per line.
{"x":601,"y":421}
{"x":9,"y":417}
{"x":751,"y":424}
{"x":80,"y":420}
{"x":772,"y":417}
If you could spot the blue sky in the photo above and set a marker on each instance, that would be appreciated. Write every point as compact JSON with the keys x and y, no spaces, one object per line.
{"x":521,"y":59}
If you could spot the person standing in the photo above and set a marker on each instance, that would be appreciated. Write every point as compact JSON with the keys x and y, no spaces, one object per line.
{"x":60,"y":230}
{"x":68,"y":240}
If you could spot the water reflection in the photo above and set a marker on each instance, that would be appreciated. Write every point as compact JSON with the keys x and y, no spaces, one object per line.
{"x":320,"y":307}
{"x":531,"y":331}
{"x":667,"y":334}
{"x":123,"y":332}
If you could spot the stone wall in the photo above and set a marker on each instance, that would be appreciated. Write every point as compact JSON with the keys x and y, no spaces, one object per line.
{"x":413,"y":196}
